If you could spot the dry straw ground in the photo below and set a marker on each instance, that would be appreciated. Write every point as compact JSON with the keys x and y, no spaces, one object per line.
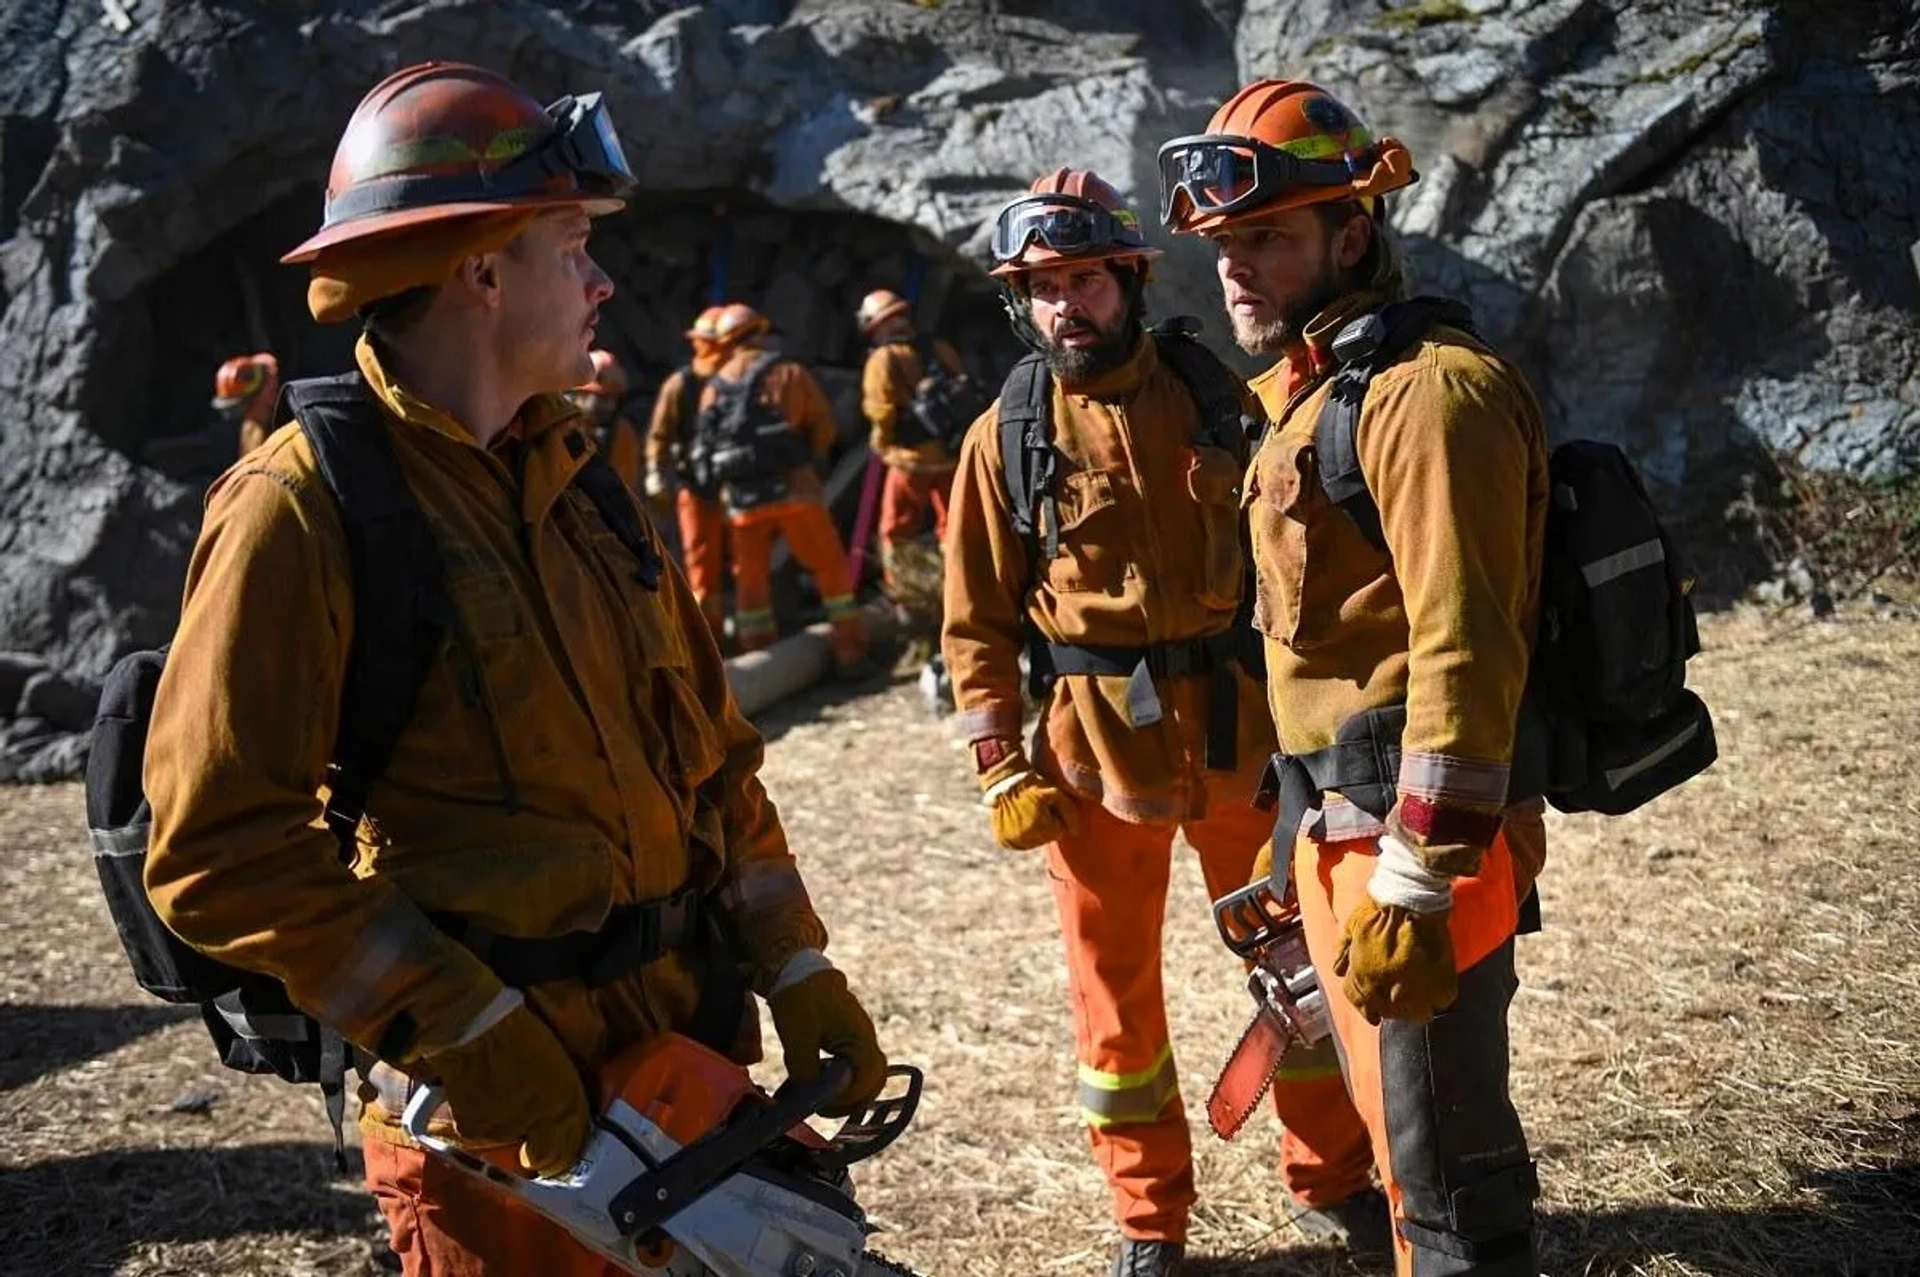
{"x":1715,"y":1042}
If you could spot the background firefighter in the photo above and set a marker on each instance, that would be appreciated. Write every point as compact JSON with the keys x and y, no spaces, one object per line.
{"x":245,"y":390}
{"x":700,"y":517}
{"x":613,"y":433}
{"x":919,"y":462}
{"x":575,"y":777}
{"x":765,"y":425}
{"x":1413,"y":897}
{"x":1151,"y":725}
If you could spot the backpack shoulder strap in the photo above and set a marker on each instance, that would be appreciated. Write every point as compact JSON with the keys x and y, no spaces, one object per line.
{"x":1216,"y":389}
{"x":1027,"y":456}
{"x":601,"y":484}
{"x":931,"y":365}
{"x":691,"y":384}
{"x":757,"y":372}
{"x":401,"y":607}
{"x":1363,"y":347}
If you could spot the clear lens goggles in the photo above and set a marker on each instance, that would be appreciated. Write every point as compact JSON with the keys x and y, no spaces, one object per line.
{"x":1067,"y":224}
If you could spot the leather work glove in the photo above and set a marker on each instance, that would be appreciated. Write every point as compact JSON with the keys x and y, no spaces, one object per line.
{"x":816,"y":1014}
{"x":1396,"y":957}
{"x":514,"y":1084}
{"x":1028,"y":812}
{"x":654,"y":486}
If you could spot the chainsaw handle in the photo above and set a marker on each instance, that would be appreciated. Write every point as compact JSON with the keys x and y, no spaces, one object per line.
{"x":793,"y":1103}
{"x":1251,"y":918}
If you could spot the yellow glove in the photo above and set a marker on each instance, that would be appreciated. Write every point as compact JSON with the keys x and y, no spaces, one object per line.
{"x":514,"y":1084}
{"x":818,"y":1015}
{"x":1396,"y":957}
{"x":1027,"y":811}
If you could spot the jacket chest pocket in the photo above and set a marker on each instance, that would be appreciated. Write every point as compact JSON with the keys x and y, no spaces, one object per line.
{"x":1093,"y":545}
{"x":1214,"y":480}
{"x":1294,"y":528}
{"x":619,"y":571}
{"x":486,"y":665}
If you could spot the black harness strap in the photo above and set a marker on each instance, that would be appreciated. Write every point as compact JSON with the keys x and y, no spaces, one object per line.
{"x":1365,"y":346}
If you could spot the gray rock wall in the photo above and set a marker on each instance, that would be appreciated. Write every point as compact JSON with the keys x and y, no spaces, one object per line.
{"x":1692,"y":220}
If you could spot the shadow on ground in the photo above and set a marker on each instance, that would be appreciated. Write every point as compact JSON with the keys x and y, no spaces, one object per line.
{"x":1859,"y":1222}
{"x":38,"y":1040}
{"x":89,"y":1213}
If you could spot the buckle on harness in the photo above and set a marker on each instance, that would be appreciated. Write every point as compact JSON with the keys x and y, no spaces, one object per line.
{"x":640,"y":938}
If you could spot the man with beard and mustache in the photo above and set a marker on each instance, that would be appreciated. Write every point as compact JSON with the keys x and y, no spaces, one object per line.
{"x":566,"y":851}
{"x":1398,"y":612}
{"x":1120,"y":575}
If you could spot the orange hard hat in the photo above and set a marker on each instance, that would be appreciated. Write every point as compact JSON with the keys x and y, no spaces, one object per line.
{"x":609,"y":378}
{"x":877,"y":307}
{"x":707,"y":326}
{"x":737,"y":322}
{"x":1068,"y":215}
{"x":442,"y":140}
{"x":245,"y":378}
{"x":1275,"y":145}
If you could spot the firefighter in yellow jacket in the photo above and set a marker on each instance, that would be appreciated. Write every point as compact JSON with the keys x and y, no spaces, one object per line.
{"x":1129,"y":569}
{"x":245,"y":391}
{"x":764,"y":426}
{"x":919,"y":466}
{"x":1398,"y":622}
{"x":575,"y":768}
{"x":701,"y":519}
{"x":614,"y":433}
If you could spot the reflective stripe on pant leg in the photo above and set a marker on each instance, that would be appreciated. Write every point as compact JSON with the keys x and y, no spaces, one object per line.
{"x":1459,"y":1156}
{"x":1110,"y":887}
{"x":1107,"y":1098}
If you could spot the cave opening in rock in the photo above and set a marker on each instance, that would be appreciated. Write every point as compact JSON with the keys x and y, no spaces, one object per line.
{"x":669,"y":256}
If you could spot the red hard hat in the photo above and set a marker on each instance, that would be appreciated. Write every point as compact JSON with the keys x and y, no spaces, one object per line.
{"x":609,"y":378}
{"x":1275,"y":145}
{"x":877,"y":307}
{"x":1068,"y":215}
{"x":737,"y":322}
{"x":444,"y":139}
{"x":245,"y":378}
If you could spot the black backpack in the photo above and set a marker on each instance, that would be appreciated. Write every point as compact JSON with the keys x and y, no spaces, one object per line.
{"x":402,"y":615}
{"x":944,"y":403}
{"x":1607,"y":722}
{"x":742,"y":448}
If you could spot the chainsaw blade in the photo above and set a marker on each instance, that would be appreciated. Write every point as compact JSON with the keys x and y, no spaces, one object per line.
{"x":873,"y":1264}
{"x":1248,"y":1072}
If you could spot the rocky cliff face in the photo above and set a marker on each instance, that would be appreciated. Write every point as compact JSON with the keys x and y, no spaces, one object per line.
{"x":1693,"y":221}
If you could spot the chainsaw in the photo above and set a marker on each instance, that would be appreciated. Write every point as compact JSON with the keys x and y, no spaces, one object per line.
{"x":1266,"y":932}
{"x":693,"y":1171}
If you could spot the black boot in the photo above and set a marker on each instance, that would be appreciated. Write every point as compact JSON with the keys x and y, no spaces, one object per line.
{"x":1363,"y":1224}
{"x":1147,"y":1259}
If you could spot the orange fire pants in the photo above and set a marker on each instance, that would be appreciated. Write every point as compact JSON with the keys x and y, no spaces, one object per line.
{"x":905,"y":499}
{"x":703,"y":552}
{"x":815,"y":542}
{"x":1446,"y":1139}
{"x":444,"y":1223}
{"x":1110,"y":885}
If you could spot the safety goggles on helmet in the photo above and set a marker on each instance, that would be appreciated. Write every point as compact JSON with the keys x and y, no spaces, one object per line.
{"x":1222,"y":173}
{"x":583,"y":145}
{"x":1067,"y":224}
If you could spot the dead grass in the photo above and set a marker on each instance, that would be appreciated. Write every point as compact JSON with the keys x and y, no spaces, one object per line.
{"x":1714,"y":1042}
